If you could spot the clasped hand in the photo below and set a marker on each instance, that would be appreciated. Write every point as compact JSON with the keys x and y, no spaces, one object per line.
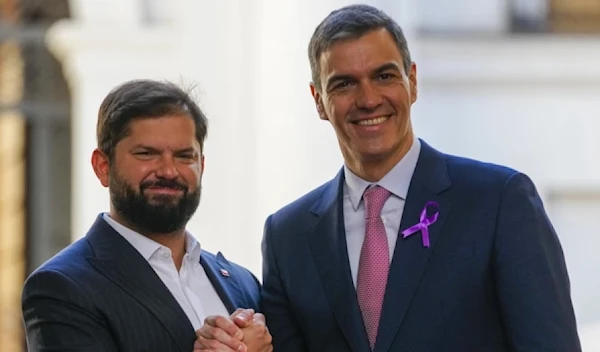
{"x":243,"y":331}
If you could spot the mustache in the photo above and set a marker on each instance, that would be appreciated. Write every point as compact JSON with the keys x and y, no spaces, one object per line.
{"x":162,"y":183}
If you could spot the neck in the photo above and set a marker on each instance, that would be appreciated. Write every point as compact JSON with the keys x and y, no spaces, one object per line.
{"x":175,"y":240}
{"x":374,"y":169}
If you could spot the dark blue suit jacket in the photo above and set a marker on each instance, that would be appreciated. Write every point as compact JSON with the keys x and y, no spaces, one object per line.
{"x":100,"y":294}
{"x":494,"y":278}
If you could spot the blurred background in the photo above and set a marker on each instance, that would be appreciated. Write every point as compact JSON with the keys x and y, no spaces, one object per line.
{"x":515,"y":82}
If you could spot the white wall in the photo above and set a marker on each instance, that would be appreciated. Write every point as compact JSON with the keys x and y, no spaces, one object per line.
{"x":467,"y":16}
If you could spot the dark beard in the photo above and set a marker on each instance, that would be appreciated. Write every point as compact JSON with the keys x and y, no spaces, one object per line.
{"x":160,"y":214}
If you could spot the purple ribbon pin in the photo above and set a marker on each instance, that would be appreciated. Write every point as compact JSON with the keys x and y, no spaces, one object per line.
{"x":424,"y":223}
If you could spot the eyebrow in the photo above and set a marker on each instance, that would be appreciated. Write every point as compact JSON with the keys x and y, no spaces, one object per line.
{"x":387,"y":67}
{"x":345,"y":77}
{"x":143,"y":146}
{"x":152,"y":149}
{"x":185,"y":150}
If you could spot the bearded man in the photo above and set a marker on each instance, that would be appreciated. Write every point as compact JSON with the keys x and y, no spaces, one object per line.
{"x":138,"y":281}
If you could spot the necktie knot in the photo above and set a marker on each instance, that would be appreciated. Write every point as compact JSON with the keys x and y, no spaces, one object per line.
{"x":375,"y":197}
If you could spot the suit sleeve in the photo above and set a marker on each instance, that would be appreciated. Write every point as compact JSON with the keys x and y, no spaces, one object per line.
{"x":59,"y":316}
{"x":531,"y":275}
{"x":251,"y":290}
{"x":280,"y":318}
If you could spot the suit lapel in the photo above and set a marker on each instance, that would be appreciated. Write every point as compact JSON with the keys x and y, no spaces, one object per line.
{"x":328,"y":246}
{"x":220,"y":275}
{"x":410,"y":257}
{"x":116,"y":259}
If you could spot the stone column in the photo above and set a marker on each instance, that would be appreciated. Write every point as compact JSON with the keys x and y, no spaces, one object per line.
{"x":12,"y":190}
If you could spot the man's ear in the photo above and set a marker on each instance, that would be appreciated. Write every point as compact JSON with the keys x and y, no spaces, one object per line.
{"x":101,"y":166}
{"x":412,"y":78}
{"x":201,"y":165}
{"x":318,"y":101}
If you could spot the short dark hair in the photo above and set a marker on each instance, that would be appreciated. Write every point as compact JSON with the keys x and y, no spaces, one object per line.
{"x":143,"y":99}
{"x":352,"y":22}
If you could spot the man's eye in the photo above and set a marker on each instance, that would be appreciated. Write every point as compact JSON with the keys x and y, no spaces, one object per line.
{"x":342,"y":85}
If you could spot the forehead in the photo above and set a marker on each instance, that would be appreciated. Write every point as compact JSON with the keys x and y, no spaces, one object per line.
{"x":365,"y":52}
{"x":169,"y":130}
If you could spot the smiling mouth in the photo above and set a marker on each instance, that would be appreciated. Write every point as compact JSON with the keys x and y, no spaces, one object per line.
{"x":372,"y":122}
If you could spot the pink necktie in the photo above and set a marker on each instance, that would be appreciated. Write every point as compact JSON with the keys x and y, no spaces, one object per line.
{"x":374,"y":262}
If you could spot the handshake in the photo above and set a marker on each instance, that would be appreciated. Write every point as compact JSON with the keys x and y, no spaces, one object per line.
{"x":243,"y":331}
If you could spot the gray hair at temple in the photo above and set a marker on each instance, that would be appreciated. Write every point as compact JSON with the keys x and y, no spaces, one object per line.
{"x":352,"y":22}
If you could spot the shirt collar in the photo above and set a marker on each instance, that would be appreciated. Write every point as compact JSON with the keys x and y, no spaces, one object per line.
{"x":397,"y":180}
{"x":148,"y":247}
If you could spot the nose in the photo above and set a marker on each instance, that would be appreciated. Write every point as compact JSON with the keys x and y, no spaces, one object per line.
{"x":167,"y":168}
{"x":368,"y":97}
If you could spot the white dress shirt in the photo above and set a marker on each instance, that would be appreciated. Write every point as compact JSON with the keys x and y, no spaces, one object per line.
{"x":190,"y":286}
{"x":397,"y":181}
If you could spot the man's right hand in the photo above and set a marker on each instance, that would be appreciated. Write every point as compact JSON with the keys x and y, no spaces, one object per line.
{"x":244,"y":331}
{"x":256,"y":336}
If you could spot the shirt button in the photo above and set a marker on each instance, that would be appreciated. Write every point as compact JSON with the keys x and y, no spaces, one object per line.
{"x":166,"y":255}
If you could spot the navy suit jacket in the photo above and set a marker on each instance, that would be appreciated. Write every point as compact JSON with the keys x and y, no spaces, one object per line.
{"x":100,"y":294}
{"x":493,"y":278}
